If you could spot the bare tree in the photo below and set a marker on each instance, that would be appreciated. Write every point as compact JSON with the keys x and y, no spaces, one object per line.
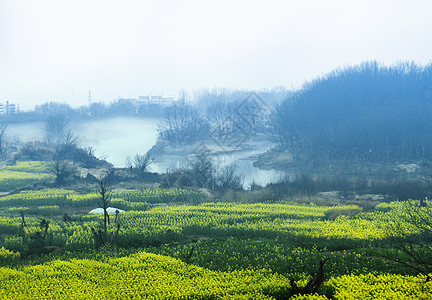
{"x":182,"y":124}
{"x":38,"y":239}
{"x":66,"y":147}
{"x":3,"y":141}
{"x":217,"y":115}
{"x":202,"y":170}
{"x":104,"y":191}
{"x":313,"y":284}
{"x":62,"y":170}
{"x":57,"y":124}
{"x":56,"y":128}
{"x":141,"y":164}
{"x":228,"y":178}
{"x":411,"y":234}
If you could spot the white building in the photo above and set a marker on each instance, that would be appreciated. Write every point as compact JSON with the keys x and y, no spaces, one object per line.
{"x":163,"y":101}
{"x":9,"y":108}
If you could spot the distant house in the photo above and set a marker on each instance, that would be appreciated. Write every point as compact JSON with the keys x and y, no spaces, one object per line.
{"x":159,"y":100}
{"x":9,"y":108}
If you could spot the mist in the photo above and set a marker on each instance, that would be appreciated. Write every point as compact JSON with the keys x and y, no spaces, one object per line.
{"x":361,"y":122}
{"x":54,"y":51}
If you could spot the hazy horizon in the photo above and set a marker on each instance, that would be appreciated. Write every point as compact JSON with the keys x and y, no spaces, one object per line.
{"x":58,"y":51}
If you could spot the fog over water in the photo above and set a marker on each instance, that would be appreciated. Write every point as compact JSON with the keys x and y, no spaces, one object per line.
{"x":115,"y":139}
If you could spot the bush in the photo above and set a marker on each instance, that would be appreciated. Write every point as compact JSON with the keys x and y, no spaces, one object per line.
{"x":385,"y":206}
{"x":14,"y":243}
{"x":17,"y":210}
{"x":228,"y":179}
{"x":176,"y":178}
{"x":7,"y":256}
{"x":301,"y":185}
{"x":62,"y":170}
{"x":34,"y":151}
{"x":141,"y":164}
{"x":47,"y":210}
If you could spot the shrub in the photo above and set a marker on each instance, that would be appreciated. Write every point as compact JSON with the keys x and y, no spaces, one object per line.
{"x":14,"y":243}
{"x":7,"y":256}
{"x":385,"y":206}
{"x":141,"y":164}
{"x":176,"y":178}
{"x":17,"y":210}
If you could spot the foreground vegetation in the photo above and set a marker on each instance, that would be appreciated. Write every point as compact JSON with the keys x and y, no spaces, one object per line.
{"x":173,"y":243}
{"x":150,"y":276}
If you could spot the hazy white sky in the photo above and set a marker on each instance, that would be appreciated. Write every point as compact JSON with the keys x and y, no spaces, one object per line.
{"x":56,"y":50}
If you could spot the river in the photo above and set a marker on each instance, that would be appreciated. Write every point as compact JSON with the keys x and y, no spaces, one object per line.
{"x":116,"y":139}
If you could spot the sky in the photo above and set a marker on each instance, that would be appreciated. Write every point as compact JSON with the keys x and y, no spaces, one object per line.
{"x":57,"y":50}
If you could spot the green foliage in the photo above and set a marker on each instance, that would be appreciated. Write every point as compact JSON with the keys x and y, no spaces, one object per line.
{"x":386,"y":206}
{"x":14,"y":243}
{"x":382,"y":286}
{"x":241,"y":250}
{"x":10,"y":180}
{"x":126,"y":199}
{"x":7,"y":256}
{"x":134,"y":276}
{"x":17,"y":210}
{"x":29,"y":167}
{"x":336,"y":211}
{"x":24,"y":173}
{"x":48,"y":210}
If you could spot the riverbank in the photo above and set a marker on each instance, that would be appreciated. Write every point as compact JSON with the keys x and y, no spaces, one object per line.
{"x":283,"y":160}
{"x":168,"y":157}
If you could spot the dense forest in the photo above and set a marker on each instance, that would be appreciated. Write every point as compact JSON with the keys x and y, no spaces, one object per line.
{"x":369,"y":112}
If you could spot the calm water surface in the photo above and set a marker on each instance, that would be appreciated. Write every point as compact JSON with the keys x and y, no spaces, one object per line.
{"x":117,"y":138}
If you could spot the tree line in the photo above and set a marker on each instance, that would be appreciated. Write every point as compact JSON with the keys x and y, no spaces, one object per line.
{"x":215,"y":114}
{"x":367,"y":112}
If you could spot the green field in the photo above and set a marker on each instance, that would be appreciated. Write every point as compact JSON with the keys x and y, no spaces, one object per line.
{"x":181,"y":244}
{"x":24,"y":174}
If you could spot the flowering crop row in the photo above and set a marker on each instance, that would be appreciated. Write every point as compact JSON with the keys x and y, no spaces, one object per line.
{"x":29,"y":167}
{"x":150,"y":276}
{"x":10,"y":180}
{"x":130,"y":199}
{"x":143,"y":228}
{"x":140,"y":276}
